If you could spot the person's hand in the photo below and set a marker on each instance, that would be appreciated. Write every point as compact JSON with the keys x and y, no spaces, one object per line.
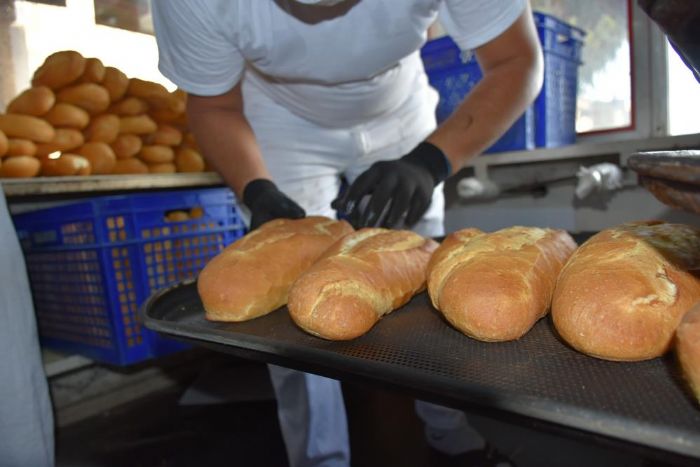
{"x":266,"y":202}
{"x":398,"y":188}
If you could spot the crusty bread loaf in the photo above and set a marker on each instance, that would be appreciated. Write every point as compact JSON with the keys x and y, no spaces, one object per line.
{"x":59,"y":69}
{"x":252,"y":276}
{"x":688,"y":348}
{"x":67,"y":115}
{"x":26,"y":127}
{"x":622,"y":295}
{"x":33,"y":101}
{"x":361,"y":278}
{"x":495,"y":286}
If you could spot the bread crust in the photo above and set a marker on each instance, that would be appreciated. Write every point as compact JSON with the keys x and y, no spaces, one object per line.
{"x":360,"y":279}
{"x":253,"y":275}
{"x":495,"y":286}
{"x":622,"y":295}
{"x":688,"y":349}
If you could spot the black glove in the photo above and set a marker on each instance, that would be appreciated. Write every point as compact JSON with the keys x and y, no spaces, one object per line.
{"x":399,"y":187}
{"x":266,"y":202}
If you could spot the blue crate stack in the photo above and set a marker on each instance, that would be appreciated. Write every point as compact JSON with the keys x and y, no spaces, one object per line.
{"x":93,"y":263}
{"x":551,"y":120}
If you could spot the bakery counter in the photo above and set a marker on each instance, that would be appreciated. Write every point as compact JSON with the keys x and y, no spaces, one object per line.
{"x":537,"y":380}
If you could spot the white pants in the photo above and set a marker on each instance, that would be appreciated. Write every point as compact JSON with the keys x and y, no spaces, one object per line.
{"x":26,"y":420}
{"x":306,"y":162}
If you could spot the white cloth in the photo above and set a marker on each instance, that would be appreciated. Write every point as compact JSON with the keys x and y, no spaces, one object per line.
{"x":337,"y":71}
{"x":26,"y":420}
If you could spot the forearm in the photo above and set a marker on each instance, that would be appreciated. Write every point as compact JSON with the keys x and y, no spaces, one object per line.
{"x":512,"y":76}
{"x":488,"y":111}
{"x":228,"y":144}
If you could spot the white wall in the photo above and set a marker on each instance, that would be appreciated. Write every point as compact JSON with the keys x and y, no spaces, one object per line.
{"x":42,"y":29}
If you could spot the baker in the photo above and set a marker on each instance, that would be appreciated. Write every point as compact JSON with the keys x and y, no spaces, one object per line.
{"x":288,"y":98}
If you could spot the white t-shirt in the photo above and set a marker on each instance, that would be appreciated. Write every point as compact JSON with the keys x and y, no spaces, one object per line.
{"x":336,"y":72}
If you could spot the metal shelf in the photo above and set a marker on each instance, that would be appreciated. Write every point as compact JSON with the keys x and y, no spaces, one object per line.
{"x":64,"y":185}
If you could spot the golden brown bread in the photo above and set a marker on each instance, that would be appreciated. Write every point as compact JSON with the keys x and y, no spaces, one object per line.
{"x":90,"y":97}
{"x":64,"y":139}
{"x":94,"y":71}
{"x":100,"y":155}
{"x":67,"y":115}
{"x":688,"y":348}
{"x":253,"y":275}
{"x":130,"y":107}
{"x":33,"y":101}
{"x":4,"y":144}
{"x":103,"y":128}
{"x":115,"y":82}
{"x":189,"y":160}
{"x":360,"y":279}
{"x":495,"y":286}
{"x":59,"y":69}
{"x":622,"y":295}
{"x":20,"y":147}
{"x":26,"y":127}
{"x":129,"y":166}
{"x":65,"y":165}
{"x":20,"y":167}
{"x":139,"y":125}
{"x":156,"y":154}
{"x":126,"y":146}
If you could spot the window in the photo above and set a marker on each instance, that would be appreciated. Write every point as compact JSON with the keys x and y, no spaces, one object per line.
{"x":683,"y":96}
{"x":605,"y":79}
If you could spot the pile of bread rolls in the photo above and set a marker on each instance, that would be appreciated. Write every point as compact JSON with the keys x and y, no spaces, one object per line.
{"x":80,"y":117}
{"x":624,"y":295}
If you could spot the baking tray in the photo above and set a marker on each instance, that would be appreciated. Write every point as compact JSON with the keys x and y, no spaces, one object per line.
{"x":538,"y":377}
{"x":673,"y":177}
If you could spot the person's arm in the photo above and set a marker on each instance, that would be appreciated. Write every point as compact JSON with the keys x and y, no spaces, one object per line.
{"x":512,"y":69}
{"x":228,"y":143}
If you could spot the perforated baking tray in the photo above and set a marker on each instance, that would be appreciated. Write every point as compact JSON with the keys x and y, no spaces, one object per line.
{"x":538,"y":377}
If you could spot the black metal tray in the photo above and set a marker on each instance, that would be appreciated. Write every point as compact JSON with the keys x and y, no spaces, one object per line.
{"x":414,"y":349}
{"x":673,"y":177}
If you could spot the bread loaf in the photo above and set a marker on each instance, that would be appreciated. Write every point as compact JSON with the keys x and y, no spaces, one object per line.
{"x":26,"y":127}
{"x":90,"y":97}
{"x":156,"y":154}
{"x":67,"y":115}
{"x":129,"y":166}
{"x":65,"y":165}
{"x":115,"y":82}
{"x":64,"y":139}
{"x":622,"y":295}
{"x":139,"y":125}
{"x":94,"y":71}
{"x":189,"y":160}
{"x":33,"y":101}
{"x":495,"y":286}
{"x":20,"y":147}
{"x":360,"y":279}
{"x":59,"y":69}
{"x":103,"y":128}
{"x":20,"y":167}
{"x":253,"y":275}
{"x":100,"y":155}
{"x":130,"y":107}
{"x":126,"y":146}
{"x":688,"y":348}
{"x":164,"y":168}
{"x":166,"y":135}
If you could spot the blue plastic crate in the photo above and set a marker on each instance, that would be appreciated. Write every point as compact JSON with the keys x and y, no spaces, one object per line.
{"x":550,"y":121}
{"x":93,"y":263}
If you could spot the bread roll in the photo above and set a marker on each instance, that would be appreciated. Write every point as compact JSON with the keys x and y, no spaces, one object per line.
{"x":129,"y":166}
{"x":166,"y":135}
{"x":164,"y":168}
{"x":688,"y":348}
{"x":115,"y":82}
{"x":59,"y":69}
{"x":65,"y":165}
{"x":88,"y":96}
{"x":26,"y":127}
{"x":20,"y":167}
{"x":100,"y":155}
{"x":68,"y":116}
{"x":188,"y":160}
{"x":4,"y":144}
{"x":129,"y":107}
{"x":94,"y":71}
{"x":33,"y":101}
{"x":64,"y":139}
{"x":20,"y":147}
{"x":622,"y":295}
{"x":253,"y":275}
{"x":156,"y":95}
{"x":495,"y":286}
{"x":139,"y":125}
{"x":363,"y":277}
{"x":126,"y":146}
{"x":156,"y":154}
{"x":103,"y":128}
